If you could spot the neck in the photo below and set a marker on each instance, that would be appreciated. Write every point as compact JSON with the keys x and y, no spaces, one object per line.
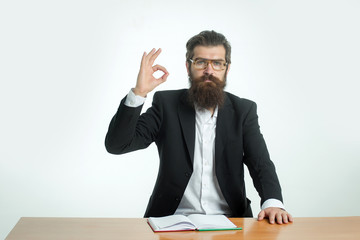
{"x":212,"y":109}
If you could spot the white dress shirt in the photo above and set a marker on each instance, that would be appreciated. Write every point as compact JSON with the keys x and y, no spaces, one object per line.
{"x":202,"y":194}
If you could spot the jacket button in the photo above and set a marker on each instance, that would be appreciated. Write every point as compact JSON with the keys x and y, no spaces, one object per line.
{"x":187,"y":174}
{"x":177,"y":199}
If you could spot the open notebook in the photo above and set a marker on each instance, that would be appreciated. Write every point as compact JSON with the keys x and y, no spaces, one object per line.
{"x":192,"y":222}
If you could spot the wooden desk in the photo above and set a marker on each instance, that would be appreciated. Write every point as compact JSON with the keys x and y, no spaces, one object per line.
{"x":339,"y":228}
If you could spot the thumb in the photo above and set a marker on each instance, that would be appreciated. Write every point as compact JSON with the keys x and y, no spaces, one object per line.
{"x":261,"y":215}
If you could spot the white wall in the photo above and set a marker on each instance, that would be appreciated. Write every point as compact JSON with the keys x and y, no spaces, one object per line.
{"x":65,"y":65}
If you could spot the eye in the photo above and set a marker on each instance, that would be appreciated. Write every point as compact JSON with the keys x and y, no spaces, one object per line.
{"x":217,"y":63}
{"x":200,"y":62}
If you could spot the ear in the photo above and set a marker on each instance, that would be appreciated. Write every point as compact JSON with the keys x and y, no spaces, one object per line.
{"x":228,"y":69}
{"x":187,"y":67}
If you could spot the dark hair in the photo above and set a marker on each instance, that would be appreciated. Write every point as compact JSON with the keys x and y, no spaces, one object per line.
{"x":208,"y":38}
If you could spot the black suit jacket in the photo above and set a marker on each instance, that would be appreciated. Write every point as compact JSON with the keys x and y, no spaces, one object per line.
{"x":170,"y":123}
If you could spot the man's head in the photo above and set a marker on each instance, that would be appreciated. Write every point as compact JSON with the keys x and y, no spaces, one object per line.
{"x":208,"y":39}
{"x":207,"y":62}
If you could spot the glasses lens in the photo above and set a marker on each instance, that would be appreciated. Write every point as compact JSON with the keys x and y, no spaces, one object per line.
{"x":218,"y":65}
{"x":201,"y":64}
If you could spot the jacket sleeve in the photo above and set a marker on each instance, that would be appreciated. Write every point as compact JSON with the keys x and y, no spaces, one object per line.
{"x":129,"y":131}
{"x":257,"y":159}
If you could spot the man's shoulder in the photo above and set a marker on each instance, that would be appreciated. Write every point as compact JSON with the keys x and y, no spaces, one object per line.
{"x":171,"y":93}
{"x":236,"y":100}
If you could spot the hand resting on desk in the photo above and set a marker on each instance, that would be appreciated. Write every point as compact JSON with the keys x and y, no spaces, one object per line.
{"x":273,"y":213}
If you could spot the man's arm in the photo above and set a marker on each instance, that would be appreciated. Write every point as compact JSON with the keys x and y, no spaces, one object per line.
{"x":262,"y":171}
{"x":127,"y":130}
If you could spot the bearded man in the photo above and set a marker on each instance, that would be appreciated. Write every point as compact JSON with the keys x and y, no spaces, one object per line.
{"x":204,"y":137}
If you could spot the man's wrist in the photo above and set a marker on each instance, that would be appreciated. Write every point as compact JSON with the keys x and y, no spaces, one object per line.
{"x":272,"y":202}
{"x":139,"y":92}
{"x":133,"y":100}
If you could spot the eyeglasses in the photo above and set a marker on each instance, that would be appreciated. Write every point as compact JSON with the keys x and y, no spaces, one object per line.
{"x":202,"y":63}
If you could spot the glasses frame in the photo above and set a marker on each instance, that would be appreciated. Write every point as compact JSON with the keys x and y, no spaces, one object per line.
{"x":208,"y":61}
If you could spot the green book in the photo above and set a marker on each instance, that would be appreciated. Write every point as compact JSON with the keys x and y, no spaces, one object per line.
{"x":193,"y":222}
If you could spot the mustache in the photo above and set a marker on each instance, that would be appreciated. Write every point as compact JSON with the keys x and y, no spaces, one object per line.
{"x":205,"y":77}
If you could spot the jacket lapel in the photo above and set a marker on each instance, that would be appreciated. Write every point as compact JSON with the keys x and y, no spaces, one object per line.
{"x":224,"y":119}
{"x":187,"y":121}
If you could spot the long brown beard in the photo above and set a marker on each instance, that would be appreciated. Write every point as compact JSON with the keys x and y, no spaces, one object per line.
{"x":207,"y":94}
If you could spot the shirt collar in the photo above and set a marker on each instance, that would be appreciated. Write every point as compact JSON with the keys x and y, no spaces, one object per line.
{"x":205,"y":114}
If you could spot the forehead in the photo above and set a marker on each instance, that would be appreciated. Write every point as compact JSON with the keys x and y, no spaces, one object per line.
{"x":210,"y":52}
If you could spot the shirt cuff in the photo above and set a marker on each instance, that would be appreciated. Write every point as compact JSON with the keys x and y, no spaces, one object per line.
{"x":133,"y":100}
{"x":272,"y":202}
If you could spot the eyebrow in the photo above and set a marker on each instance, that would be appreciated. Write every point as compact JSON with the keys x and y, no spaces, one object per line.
{"x":217,"y":59}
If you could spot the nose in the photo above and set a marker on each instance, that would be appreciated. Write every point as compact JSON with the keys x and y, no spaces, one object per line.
{"x":209,"y":69}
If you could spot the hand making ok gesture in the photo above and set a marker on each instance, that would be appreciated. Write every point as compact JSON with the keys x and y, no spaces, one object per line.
{"x":146,"y":82}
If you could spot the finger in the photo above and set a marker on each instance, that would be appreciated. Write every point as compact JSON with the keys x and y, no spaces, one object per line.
{"x":148,"y":56}
{"x":154,"y":56}
{"x":272,"y":217}
{"x":159,"y":68}
{"x":163,"y":77}
{"x":143,"y":59}
{"x":261,"y":215}
{"x":279,"y":218}
{"x":290,"y":218}
{"x":151,"y":52}
{"x":285,"y":217}
{"x":163,"y":69}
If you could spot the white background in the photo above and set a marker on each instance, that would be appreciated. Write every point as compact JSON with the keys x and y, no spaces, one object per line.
{"x":65,"y":66}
